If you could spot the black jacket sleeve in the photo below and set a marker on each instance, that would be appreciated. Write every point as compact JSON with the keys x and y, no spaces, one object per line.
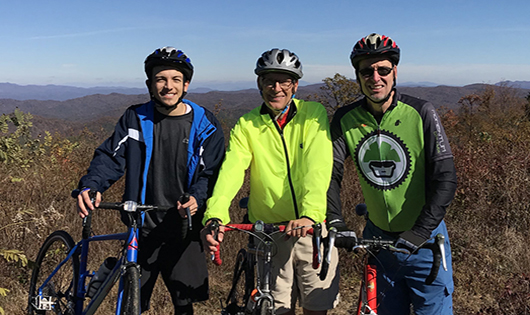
{"x":440,"y":173}
{"x":440,"y":189}
{"x":340,"y":153}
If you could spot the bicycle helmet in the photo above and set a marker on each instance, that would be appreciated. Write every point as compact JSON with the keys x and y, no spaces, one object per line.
{"x":169,"y":56}
{"x":374,"y":44}
{"x":277,"y":60}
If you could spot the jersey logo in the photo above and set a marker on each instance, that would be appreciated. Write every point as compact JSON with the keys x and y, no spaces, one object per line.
{"x":383,"y":159}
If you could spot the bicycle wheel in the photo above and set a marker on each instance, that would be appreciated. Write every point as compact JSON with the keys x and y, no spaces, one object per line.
{"x":58,"y":296}
{"x":130,"y":302}
{"x":265,"y":308}
{"x":238,"y":296}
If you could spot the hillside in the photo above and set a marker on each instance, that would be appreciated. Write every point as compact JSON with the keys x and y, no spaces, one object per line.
{"x":487,"y":220}
{"x":78,"y":112}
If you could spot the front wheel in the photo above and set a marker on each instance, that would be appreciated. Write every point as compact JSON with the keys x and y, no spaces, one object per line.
{"x":130,"y":302}
{"x":58,"y":295}
{"x":265,"y":308}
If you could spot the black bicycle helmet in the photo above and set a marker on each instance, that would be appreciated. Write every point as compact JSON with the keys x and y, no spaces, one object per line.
{"x":276,"y":60}
{"x":169,"y":56}
{"x":374,"y":44}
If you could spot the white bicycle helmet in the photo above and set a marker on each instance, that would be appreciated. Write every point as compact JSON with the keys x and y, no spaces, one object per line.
{"x":276,"y":60}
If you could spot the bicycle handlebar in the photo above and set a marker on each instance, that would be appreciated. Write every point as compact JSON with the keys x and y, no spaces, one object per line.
{"x":348,"y":240}
{"x":128,"y":206}
{"x":131,"y":206}
{"x":267,"y":229}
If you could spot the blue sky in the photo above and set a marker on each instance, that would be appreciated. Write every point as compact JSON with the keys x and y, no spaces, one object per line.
{"x":104,"y":42}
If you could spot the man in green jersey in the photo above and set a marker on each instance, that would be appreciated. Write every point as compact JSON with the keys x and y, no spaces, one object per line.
{"x":286,"y":144}
{"x":407,"y":175}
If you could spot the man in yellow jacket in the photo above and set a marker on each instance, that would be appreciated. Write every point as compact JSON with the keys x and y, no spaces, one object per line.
{"x":286,"y":144}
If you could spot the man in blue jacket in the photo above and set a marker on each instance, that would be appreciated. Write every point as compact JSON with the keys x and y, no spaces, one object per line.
{"x":166,"y":147}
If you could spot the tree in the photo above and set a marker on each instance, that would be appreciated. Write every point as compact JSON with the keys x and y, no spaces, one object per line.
{"x":337,"y":92}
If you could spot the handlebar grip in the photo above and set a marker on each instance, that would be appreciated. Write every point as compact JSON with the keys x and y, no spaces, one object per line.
{"x":217,"y":257}
{"x":328,"y":247}
{"x":325,"y":264}
{"x":111,"y":205}
{"x":186,"y":223}
{"x":437,"y":258}
{"x":87,"y":225}
{"x":435,"y":267}
{"x":346,"y":240}
{"x":87,"y":220}
{"x":317,"y":238}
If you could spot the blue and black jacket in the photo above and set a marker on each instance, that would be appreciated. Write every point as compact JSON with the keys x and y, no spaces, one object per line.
{"x":128,"y":151}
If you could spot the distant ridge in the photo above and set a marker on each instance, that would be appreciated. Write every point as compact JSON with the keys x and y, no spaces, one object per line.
{"x":58,"y":92}
{"x":64,"y":92}
{"x":516,"y":84}
{"x":418,"y":84}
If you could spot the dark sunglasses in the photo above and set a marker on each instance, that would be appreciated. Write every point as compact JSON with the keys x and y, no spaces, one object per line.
{"x":369,"y":72}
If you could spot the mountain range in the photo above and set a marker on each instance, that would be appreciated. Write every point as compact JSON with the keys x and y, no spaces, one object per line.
{"x":109,"y":103}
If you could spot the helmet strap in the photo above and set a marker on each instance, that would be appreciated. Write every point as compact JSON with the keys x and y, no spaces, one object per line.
{"x":170,"y":108}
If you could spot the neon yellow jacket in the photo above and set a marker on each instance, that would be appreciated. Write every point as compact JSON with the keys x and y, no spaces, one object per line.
{"x":305,"y":170}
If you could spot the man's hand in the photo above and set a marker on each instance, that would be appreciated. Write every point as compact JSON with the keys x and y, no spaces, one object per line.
{"x":339,"y":225}
{"x":299,"y":228}
{"x":208,"y":237}
{"x":192,"y":204}
{"x":84,"y":202}
{"x":410,"y":241}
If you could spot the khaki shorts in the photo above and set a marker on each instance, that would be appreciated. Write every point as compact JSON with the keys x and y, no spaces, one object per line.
{"x":295,"y":279}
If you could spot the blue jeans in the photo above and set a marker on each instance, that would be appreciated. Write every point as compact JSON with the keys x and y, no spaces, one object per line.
{"x":401,"y":279}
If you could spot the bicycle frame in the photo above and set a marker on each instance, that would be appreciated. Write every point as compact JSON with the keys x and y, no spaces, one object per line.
{"x":368,"y":293}
{"x":81,"y":248}
{"x":130,"y":256}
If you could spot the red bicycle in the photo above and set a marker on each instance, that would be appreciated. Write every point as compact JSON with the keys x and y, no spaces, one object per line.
{"x":368,"y":303}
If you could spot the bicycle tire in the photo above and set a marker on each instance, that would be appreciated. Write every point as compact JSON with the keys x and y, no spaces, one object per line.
{"x":239,"y":293}
{"x":265,"y":308}
{"x":130,"y":302}
{"x":62,"y":287}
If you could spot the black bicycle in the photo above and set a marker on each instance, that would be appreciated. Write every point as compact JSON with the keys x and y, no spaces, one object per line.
{"x":250,"y":292}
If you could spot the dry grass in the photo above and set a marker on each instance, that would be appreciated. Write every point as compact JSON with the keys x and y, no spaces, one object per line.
{"x":488,"y":220}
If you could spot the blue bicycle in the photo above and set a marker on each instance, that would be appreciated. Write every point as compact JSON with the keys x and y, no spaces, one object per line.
{"x":62,"y":284}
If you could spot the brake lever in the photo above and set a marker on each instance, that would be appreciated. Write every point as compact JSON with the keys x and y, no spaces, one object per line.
{"x":440,"y":241}
{"x":331,"y":235}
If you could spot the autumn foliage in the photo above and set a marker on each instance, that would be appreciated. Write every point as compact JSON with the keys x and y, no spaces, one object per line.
{"x":488,"y":221}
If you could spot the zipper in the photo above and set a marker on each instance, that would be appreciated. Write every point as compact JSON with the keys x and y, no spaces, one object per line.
{"x":379,"y":142}
{"x":293,"y":195}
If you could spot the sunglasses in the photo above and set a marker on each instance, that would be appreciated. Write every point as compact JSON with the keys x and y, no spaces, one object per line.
{"x":369,"y":72}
